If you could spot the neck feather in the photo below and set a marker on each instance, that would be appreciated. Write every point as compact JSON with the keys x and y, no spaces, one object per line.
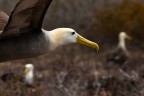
{"x":50,"y":35}
{"x":122,"y":43}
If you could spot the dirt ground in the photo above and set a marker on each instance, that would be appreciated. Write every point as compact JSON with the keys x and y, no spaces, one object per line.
{"x":75,"y":71}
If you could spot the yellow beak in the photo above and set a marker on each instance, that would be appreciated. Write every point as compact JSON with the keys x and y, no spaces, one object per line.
{"x":26,"y":70}
{"x":128,"y":37}
{"x":83,"y":41}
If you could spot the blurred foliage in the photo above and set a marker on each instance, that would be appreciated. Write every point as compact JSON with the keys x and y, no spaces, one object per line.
{"x":113,"y":18}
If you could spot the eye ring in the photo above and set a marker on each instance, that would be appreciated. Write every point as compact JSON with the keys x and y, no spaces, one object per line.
{"x":73,"y":33}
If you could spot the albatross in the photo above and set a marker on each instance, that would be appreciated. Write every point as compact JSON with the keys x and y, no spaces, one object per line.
{"x":28,"y":78}
{"x":23,"y":36}
{"x":120,"y":55}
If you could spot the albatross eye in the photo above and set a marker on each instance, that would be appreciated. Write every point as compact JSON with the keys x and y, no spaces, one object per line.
{"x":73,"y":33}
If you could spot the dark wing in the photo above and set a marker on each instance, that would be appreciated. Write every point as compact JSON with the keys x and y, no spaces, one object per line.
{"x":27,"y":16}
{"x":3,"y":19}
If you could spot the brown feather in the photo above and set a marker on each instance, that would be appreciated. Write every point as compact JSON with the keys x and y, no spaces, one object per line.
{"x":3,"y":19}
{"x":27,"y":16}
{"x":117,"y":56}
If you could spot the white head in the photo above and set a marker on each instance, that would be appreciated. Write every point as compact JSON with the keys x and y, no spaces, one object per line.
{"x":122,"y":37}
{"x":28,"y":78}
{"x":62,"y":36}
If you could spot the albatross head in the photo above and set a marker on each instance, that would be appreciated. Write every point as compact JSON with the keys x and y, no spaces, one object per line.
{"x":122,"y":37}
{"x":28,"y":74}
{"x":62,"y":36}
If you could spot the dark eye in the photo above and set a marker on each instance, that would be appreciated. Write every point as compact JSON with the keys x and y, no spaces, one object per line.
{"x":73,"y":33}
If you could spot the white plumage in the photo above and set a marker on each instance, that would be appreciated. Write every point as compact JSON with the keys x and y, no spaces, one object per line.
{"x":122,"y":44}
{"x":28,"y":78}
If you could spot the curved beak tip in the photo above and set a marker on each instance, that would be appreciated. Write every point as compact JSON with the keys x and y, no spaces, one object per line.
{"x":97,"y":47}
{"x":84,"y":41}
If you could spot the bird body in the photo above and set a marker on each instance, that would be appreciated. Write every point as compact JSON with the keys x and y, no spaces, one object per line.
{"x":25,"y":46}
{"x":117,"y":56}
{"x":35,"y":44}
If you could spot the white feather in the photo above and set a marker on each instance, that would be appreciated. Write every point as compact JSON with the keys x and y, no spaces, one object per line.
{"x":29,"y":75}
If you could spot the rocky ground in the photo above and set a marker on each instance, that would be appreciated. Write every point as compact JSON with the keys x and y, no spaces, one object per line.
{"x":76,"y":71}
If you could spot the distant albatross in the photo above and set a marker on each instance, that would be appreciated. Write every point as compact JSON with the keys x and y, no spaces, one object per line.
{"x":122,"y":37}
{"x":120,"y":55}
{"x":23,"y":36}
{"x":29,"y":74}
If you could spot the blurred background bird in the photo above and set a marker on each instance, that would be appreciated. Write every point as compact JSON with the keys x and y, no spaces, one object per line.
{"x":122,"y":43}
{"x":29,"y":74}
{"x":120,"y":54}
